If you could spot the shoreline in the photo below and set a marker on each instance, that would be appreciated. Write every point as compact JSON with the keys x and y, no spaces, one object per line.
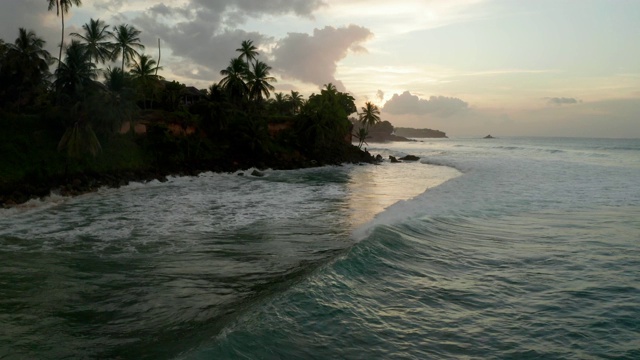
{"x":13,"y":194}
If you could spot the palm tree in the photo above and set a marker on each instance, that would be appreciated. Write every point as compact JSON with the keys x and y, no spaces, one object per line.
{"x":77,"y":72}
{"x":280,"y":103}
{"x":362,"y":136}
{"x":115,"y":79}
{"x":62,"y":7}
{"x":29,"y":49}
{"x":370,"y":115}
{"x":296,"y":101}
{"x":329,"y":89}
{"x":127,"y":40}
{"x":248,"y":51}
{"x":234,"y":79}
{"x":95,"y":38}
{"x":145,"y":68}
{"x":216,"y":93}
{"x":144,"y":73}
{"x":24,"y":67}
{"x":259,"y":81}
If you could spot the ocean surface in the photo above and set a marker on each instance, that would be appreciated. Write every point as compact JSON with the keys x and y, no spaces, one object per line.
{"x":513,"y":248}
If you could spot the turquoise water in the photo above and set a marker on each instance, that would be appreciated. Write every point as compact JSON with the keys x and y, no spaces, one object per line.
{"x":506,"y":248}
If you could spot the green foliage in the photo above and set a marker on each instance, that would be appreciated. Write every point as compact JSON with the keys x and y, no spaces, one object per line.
{"x":322,"y":123}
{"x":24,"y":68}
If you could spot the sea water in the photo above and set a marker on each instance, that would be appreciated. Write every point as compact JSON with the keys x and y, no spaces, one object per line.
{"x":484,"y":248}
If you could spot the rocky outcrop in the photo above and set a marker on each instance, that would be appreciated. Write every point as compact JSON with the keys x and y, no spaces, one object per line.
{"x":410,"y":158}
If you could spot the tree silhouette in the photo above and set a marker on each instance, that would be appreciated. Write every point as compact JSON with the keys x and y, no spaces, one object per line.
{"x":296,"y":101}
{"x":77,"y":72}
{"x":248,"y":51}
{"x":234,"y":79}
{"x":62,"y":7}
{"x":127,"y":40}
{"x":95,"y":38}
{"x":24,"y":67}
{"x":370,"y":115}
{"x":259,"y":81}
{"x":144,"y":73}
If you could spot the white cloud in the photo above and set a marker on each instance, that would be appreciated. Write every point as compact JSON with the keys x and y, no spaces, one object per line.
{"x":313,"y":58}
{"x":441,"y":106}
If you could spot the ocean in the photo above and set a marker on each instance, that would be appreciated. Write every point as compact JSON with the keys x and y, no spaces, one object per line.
{"x":508,"y":248}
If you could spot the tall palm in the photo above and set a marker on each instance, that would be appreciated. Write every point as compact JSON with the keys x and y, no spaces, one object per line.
{"x":77,"y":72}
{"x":234,"y":79}
{"x":370,"y":114}
{"x":127,"y":40}
{"x":248,"y":51}
{"x":96,"y":39}
{"x":62,"y":7}
{"x":259,"y":81}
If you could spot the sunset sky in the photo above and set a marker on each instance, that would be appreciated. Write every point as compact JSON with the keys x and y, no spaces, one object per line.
{"x":466,"y":67}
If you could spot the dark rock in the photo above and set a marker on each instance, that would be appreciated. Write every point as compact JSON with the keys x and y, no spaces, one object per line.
{"x":257,"y":173}
{"x":379,"y":158}
{"x":393,"y":159}
{"x":410,"y":158}
{"x":240,"y":174}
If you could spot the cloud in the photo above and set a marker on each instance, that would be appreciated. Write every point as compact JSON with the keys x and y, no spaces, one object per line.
{"x":313,"y":58}
{"x":441,"y":106}
{"x":207,"y":31}
{"x":380,"y":95}
{"x":561,"y":101}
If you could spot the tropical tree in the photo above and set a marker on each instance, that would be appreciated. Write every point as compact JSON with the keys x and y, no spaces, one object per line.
{"x":323,"y":124}
{"x":115,"y":79}
{"x":144,"y":73}
{"x":127,"y":40}
{"x":77,"y":72}
{"x":216,"y":93}
{"x":28,"y":50}
{"x":280,"y":103}
{"x":296,"y":101}
{"x":362,"y":136}
{"x":96,"y":40}
{"x":248,"y":51}
{"x":24,"y":67}
{"x":62,"y":7}
{"x":258,"y":81}
{"x":234,"y":79}
{"x":370,"y":115}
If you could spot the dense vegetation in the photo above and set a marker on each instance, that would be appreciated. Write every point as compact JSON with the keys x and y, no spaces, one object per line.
{"x":68,"y":129}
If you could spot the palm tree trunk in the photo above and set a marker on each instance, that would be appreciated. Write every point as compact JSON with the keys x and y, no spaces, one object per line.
{"x":62,"y":40}
{"x":122,"y":61}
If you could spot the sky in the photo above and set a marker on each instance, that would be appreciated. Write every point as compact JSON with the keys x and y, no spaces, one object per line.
{"x":465,"y":67}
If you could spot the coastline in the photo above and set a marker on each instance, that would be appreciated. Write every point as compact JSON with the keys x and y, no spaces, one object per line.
{"x":29,"y":188}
